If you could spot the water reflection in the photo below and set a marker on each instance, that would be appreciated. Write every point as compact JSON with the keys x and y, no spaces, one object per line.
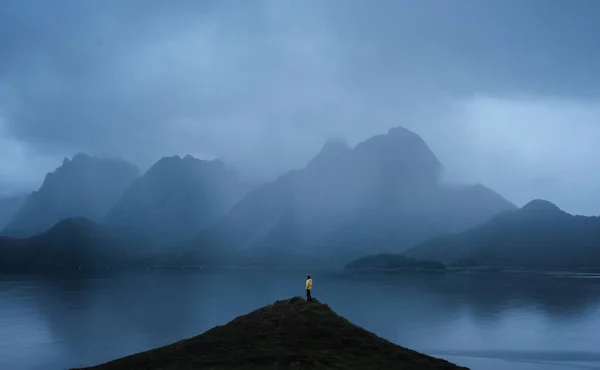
{"x":77,"y":321}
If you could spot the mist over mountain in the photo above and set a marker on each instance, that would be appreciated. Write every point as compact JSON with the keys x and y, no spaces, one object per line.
{"x":384,"y":195}
{"x":177,"y":198}
{"x":84,"y":186}
{"x":9,"y":207}
{"x":539,"y":235}
{"x":71,"y":244}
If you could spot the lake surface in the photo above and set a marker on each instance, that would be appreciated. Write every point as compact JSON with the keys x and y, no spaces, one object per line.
{"x":484,"y":321}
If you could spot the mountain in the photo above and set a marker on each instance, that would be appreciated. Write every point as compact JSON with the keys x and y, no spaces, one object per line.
{"x":82,"y":187}
{"x":290,"y":334}
{"x":8,"y":208}
{"x":70,"y":244}
{"x":539,"y":235}
{"x":384,"y":195}
{"x":331,"y":152}
{"x":177,"y":198}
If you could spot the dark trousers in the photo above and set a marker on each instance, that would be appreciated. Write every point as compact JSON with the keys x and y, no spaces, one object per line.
{"x":308,"y":296}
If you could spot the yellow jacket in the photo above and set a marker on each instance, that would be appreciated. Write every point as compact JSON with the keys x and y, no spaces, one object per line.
{"x":309,"y":284}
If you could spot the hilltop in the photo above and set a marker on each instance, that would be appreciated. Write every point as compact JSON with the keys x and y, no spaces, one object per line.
{"x":289,"y":334}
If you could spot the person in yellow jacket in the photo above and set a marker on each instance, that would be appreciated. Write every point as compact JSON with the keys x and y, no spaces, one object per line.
{"x":308,"y":288}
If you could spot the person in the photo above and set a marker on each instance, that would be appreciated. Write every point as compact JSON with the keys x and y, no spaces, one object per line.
{"x":308,"y":288}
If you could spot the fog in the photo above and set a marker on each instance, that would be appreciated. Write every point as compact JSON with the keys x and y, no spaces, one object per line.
{"x":505,"y":93}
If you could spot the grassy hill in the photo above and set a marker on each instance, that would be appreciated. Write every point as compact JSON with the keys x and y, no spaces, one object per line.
{"x":290,"y":334}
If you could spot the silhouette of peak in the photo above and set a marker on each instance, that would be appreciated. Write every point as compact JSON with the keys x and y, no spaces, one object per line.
{"x":335,"y":145}
{"x":81,"y":163}
{"x":397,"y":138}
{"x":540,"y":206}
{"x":332,"y":150}
{"x":171,"y":159}
{"x":188,"y":167}
{"x":77,"y":158}
{"x":402,"y":154}
{"x":174,"y":161}
{"x":399,"y":131}
{"x":187,"y":160}
{"x":82,"y":159}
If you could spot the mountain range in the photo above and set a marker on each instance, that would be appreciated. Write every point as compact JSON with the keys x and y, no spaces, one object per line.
{"x":385,"y":194}
{"x":385,"y":197}
{"x":177,"y":198}
{"x":71,"y":244}
{"x":84,"y":186}
{"x":539,"y":235}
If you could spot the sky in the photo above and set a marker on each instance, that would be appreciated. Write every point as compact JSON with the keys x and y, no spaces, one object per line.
{"x":505,"y":92}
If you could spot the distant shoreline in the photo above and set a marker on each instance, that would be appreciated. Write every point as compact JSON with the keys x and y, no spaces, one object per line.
{"x":305,"y":269}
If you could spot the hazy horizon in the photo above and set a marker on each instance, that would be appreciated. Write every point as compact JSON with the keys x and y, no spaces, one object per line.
{"x":505,"y":93}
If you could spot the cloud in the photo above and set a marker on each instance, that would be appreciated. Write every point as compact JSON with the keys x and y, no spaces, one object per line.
{"x":529,"y":148}
{"x":263,"y":84}
{"x":21,"y":168}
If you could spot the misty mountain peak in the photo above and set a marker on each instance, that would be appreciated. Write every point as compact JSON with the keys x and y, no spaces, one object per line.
{"x":189,"y":157}
{"x":404,"y":137}
{"x":76,"y":160}
{"x":78,"y":157}
{"x":171,"y":161}
{"x":540,"y":206}
{"x":85,"y":161}
{"x":331,"y":151}
{"x":398,"y":141}
{"x":177,"y":197}
{"x":83,"y":186}
{"x":175,"y":165}
{"x":336,"y":145}
{"x":81,"y":157}
{"x":401,"y":154}
{"x":399,"y":131}
{"x":165,"y":160}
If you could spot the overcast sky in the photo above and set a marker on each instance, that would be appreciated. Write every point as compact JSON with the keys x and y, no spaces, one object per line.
{"x":506,"y":92}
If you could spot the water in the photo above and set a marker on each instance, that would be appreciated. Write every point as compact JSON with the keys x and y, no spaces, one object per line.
{"x":484,"y":321}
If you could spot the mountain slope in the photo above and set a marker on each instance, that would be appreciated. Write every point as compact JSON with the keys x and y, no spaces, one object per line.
{"x":291,"y":334}
{"x":538,"y":235}
{"x":70,"y":244}
{"x":384,"y":195}
{"x":82,"y":187}
{"x":177,"y":198}
{"x":8,"y":208}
